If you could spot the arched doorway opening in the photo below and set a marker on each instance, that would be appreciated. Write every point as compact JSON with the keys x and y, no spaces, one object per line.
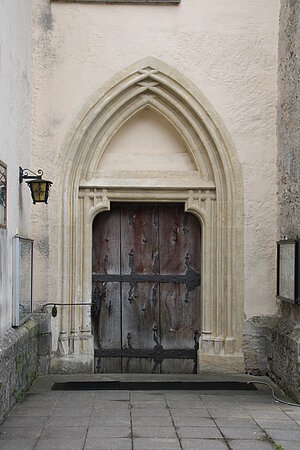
{"x":146,"y":314}
{"x":197,"y":165}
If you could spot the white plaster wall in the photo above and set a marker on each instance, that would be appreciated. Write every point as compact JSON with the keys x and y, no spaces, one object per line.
{"x":15,"y":130}
{"x":227,"y":48}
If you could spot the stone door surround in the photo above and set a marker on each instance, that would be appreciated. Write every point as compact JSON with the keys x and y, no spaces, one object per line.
{"x":213,"y":193}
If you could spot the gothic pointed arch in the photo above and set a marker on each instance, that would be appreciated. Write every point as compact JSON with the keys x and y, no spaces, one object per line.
{"x":213,"y":191}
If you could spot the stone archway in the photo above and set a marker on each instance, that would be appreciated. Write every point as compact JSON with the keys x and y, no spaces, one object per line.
{"x":213,"y":191}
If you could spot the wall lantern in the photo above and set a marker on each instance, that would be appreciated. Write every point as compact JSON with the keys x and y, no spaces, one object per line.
{"x":39,"y":188}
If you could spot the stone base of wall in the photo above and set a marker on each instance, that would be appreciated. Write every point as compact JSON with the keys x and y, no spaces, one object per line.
{"x":24,"y":355}
{"x":271,"y":346}
{"x":72,"y":364}
{"x":223,"y":364}
{"x":257,"y":335}
{"x":285,"y":351}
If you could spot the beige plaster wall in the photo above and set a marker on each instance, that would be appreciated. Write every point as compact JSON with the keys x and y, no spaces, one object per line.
{"x":228,"y":49}
{"x":15,"y":125}
{"x":146,"y":142}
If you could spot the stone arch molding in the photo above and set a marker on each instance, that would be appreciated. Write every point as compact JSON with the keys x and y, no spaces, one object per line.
{"x":213,"y":192}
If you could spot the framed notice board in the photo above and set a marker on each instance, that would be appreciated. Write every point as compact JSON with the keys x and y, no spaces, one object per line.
{"x":22,"y":279}
{"x":288,"y":271}
{"x":3,"y":194}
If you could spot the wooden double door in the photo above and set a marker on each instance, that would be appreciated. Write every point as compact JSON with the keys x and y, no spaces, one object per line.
{"x":146,"y":289}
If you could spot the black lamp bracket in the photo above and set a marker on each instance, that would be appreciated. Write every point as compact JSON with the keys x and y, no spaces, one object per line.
{"x":25,"y":174}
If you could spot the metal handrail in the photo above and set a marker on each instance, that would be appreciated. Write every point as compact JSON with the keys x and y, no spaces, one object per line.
{"x":54,"y":306}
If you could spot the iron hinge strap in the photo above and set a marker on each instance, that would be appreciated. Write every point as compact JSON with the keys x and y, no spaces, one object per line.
{"x":144,"y":278}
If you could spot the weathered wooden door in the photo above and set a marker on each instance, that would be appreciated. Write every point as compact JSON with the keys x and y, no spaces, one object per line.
{"x":146,"y":289}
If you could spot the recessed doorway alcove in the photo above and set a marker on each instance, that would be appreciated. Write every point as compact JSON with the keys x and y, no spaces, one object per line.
{"x":146,"y":315}
{"x":149,"y":136}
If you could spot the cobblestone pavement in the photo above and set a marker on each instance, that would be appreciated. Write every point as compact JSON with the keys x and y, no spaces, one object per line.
{"x":146,"y":420}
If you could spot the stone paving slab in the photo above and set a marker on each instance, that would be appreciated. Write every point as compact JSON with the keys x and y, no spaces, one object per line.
{"x":110,"y":421}
{"x":25,"y":422}
{"x":148,"y":404}
{"x":244,"y":433}
{"x":284,"y":435}
{"x":140,"y":395}
{"x":59,"y":444}
{"x":288,"y":408}
{"x":275,"y":414}
{"x":108,"y":444}
{"x":64,"y":432}
{"x":78,"y":395}
{"x":57,"y":421}
{"x":150,"y":412}
{"x":223,"y":399}
{"x":146,"y":420}
{"x":22,"y":410}
{"x":34,"y":402}
{"x":288,"y":445}
{"x":203,"y":444}
{"x":251,"y":445}
{"x":190,"y":413}
{"x":287,"y":424}
{"x":207,"y":422}
{"x":113,"y":411}
{"x":154,"y":432}
{"x":108,"y":404}
{"x":295,"y":415}
{"x":109,"y":432}
{"x":151,"y":395}
{"x":186,"y":404}
{"x":156,"y":444}
{"x":14,"y":444}
{"x":179,"y":395}
{"x":111,"y":395}
{"x":229,"y":422}
{"x":232,"y":412}
{"x":19,"y":433}
{"x":71,"y":412}
{"x":199,"y":432}
{"x":82,"y":404}
{"x":265,"y":407}
{"x":152,"y":421}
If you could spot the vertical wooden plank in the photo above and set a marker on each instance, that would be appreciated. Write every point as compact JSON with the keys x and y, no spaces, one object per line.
{"x":106,"y":258}
{"x":140,"y":306}
{"x":179,"y":235}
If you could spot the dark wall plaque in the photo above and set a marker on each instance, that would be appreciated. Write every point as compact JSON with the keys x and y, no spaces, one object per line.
{"x":3,"y":194}
{"x":288,"y":270}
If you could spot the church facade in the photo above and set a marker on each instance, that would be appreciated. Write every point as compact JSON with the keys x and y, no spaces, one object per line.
{"x":164,"y":127}
{"x":101,"y":130}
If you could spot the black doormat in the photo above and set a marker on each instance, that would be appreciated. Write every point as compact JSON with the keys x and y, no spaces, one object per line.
{"x":153,"y":386}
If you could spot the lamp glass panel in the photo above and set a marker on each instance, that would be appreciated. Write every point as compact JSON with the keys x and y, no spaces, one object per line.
{"x":38,"y":191}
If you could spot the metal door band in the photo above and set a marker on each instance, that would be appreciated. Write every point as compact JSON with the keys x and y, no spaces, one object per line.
{"x":191,"y":279}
